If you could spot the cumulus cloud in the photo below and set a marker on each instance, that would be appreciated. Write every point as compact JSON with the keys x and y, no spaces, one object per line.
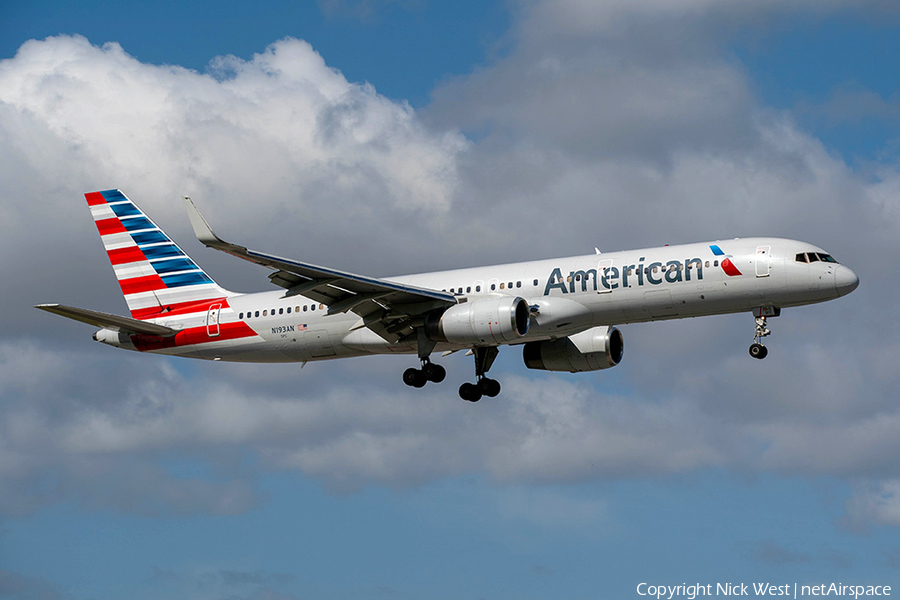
{"x":577,"y":141}
{"x":282,"y":131}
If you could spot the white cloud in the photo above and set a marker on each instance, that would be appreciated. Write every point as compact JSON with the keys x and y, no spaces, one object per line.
{"x":584,"y":142}
{"x":281,"y":131}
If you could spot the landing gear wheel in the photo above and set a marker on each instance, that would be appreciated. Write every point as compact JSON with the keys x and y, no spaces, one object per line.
{"x":434,"y":373}
{"x":489,"y":387}
{"x":470,"y":392}
{"x":758,"y":351}
{"x":414,"y":378}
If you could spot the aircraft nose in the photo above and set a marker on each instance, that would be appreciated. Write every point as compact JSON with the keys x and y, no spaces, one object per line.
{"x":845,"y":280}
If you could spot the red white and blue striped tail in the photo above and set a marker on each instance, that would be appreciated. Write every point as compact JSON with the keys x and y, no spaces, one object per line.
{"x":157,"y":278}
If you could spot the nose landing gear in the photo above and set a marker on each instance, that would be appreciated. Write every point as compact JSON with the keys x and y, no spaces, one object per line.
{"x":757,"y":348}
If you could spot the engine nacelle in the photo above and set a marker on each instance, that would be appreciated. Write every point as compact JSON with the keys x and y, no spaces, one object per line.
{"x":488,"y":321}
{"x":591,"y":350}
{"x":114,"y":338}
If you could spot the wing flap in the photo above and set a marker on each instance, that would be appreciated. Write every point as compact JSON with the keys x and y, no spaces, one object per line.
{"x":108,"y":321}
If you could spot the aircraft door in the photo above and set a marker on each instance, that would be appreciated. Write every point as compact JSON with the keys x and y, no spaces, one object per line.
{"x":763,"y":260}
{"x":319,"y":343}
{"x":602,"y":269}
{"x":212,"y":320}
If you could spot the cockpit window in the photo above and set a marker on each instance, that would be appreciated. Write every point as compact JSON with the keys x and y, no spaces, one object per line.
{"x":814,"y":257}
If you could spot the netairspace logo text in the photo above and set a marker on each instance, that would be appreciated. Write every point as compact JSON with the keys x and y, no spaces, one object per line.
{"x":788,"y":590}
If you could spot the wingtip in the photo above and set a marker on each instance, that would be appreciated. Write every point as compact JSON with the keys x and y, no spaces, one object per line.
{"x":201,"y":228}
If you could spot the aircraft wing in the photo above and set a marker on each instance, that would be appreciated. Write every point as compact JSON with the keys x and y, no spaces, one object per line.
{"x":108,"y":321}
{"x":385,"y":307}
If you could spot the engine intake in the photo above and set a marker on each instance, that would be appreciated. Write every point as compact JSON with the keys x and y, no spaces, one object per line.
{"x":591,"y":350}
{"x":489,"y":321}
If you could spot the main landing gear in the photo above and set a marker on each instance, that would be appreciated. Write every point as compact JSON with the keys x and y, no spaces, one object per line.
{"x":483,"y":386}
{"x":472,"y":392}
{"x":429,"y":372}
{"x":757,"y":348}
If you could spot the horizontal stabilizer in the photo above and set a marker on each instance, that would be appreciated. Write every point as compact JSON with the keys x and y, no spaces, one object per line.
{"x":108,"y":321}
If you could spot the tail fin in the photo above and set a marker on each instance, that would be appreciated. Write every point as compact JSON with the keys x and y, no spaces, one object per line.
{"x":156,"y":276}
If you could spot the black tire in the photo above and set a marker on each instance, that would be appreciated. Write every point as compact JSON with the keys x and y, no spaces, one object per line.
{"x":758,"y":351}
{"x":489,"y":387}
{"x":469,"y":392}
{"x":414,"y":378}
{"x":434,"y":373}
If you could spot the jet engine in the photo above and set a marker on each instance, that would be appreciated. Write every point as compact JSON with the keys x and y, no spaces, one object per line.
{"x":489,"y":321}
{"x":111,"y":337}
{"x":591,"y":350}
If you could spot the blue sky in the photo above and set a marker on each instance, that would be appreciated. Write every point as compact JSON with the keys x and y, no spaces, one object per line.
{"x":496,"y":131}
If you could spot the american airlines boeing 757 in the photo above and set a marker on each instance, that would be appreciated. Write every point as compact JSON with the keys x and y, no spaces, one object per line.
{"x":562,"y":312}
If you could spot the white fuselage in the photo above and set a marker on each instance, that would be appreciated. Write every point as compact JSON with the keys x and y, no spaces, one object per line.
{"x":566,"y":295}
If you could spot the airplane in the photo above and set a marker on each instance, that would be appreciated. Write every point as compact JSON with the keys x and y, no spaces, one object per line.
{"x":563,"y":312}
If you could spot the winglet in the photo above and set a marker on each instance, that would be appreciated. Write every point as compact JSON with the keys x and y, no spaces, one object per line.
{"x":202,"y":229}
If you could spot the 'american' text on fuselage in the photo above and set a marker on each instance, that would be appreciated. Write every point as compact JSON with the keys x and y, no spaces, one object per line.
{"x":672,"y":271}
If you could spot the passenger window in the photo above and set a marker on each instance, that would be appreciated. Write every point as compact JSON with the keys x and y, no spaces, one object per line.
{"x":257,"y":314}
{"x":265,"y":312}
{"x":289,"y":310}
{"x":241,"y":316}
{"x":280,"y":311}
{"x":493,"y":286}
{"x":305,"y":307}
{"x":518,"y":284}
{"x":535,"y":283}
{"x":312,"y":307}
{"x":654,"y":269}
{"x":469,"y":289}
{"x":715,"y":263}
{"x":509,"y":285}
{"x":707,"y":264}
{"x":477,"y":288}
{"x":321,"y":306}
